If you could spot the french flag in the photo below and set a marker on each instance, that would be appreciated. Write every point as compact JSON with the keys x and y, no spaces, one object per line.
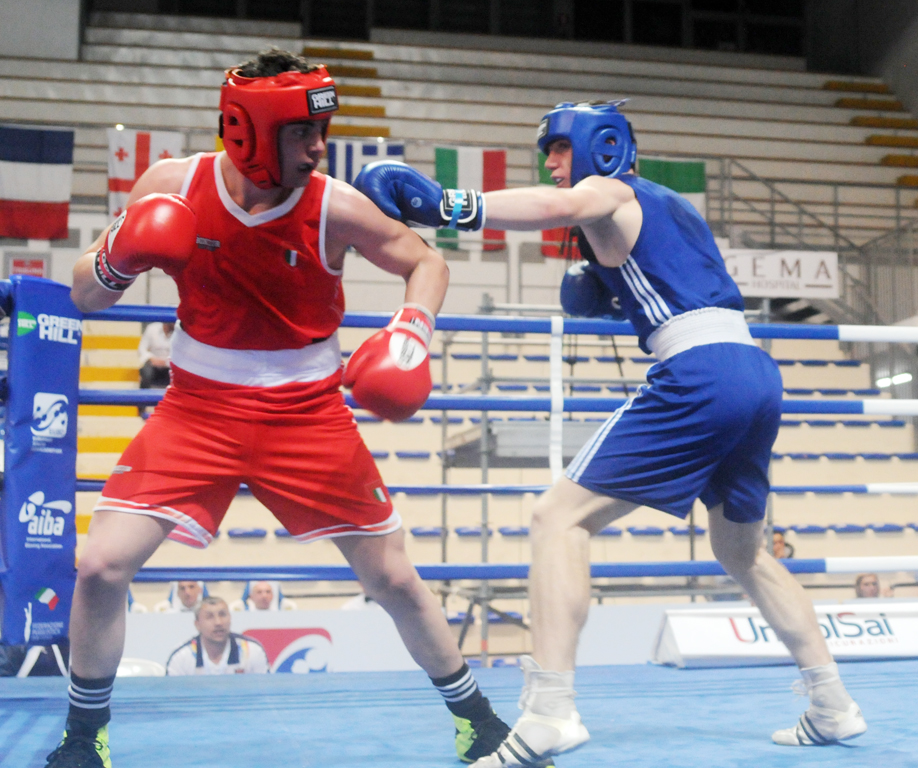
{"x":36,"y":172}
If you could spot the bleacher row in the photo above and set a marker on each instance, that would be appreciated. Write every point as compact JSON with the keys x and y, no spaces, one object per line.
{"x":780,"y":122}
{"x":520,"y":531}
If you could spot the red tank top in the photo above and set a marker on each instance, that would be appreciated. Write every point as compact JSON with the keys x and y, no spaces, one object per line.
{"x":258,"y":281}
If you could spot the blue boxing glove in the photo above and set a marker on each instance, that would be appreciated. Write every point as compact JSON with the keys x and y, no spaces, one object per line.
{"x":408,"y":195}
{"x":584,"y":294}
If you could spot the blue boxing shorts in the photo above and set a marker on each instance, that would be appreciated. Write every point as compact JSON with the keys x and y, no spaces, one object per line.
{"x":702,"y":427}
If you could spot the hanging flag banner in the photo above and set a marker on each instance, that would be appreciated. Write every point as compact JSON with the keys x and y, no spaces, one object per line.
{"x":36,"y":173}
{"x":687,"y":177}
{"x":130,"y":153}
{"x":471,"y":168}
{"x":37,"y":515}
{"x":347,"y":157}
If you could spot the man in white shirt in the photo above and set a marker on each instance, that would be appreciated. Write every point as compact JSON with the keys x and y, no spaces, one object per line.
{"x":216,"y":650}
{"x":154,"y":350}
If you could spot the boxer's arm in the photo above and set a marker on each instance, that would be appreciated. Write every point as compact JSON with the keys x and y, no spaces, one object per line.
{"x":353,"y":220}
{"x":545,"y":207}
{"x":166,"y":176}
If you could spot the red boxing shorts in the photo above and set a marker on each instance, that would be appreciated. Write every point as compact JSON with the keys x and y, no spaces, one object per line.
{"x":296,"y":446}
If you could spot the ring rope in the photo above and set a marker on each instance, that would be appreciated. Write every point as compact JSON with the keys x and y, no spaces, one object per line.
{"x":544,"y":404}
{"x":494,"y":571}
{"x":575,"y":325}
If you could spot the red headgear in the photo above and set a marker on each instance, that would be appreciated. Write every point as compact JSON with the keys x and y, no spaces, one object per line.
{"x":252,"y":109}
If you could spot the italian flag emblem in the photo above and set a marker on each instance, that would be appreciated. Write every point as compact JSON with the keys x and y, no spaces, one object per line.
{"x":380,"y":494}
{"x":47,"y":596}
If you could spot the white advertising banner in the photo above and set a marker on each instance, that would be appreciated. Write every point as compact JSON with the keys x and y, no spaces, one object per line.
{"x":739,"y":637}
{"x":784,"y":274}
{"x":294,"y":641}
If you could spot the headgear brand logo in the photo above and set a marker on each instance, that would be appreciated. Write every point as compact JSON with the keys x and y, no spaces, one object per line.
{"x":297,"y":651}
{"x":322,"y":100}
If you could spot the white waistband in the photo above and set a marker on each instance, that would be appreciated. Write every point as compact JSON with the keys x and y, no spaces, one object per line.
{"x":712,"y":325}
{"x":256,"y":367}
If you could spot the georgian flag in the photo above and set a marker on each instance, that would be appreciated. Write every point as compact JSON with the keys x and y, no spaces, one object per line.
{"x":130,"y":153}
{"x":471,"y":168}
{"x":347,"y":157}
{"x":36,"y":172}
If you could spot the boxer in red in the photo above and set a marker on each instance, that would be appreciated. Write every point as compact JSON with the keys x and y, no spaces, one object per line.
{"x":255,"y":239}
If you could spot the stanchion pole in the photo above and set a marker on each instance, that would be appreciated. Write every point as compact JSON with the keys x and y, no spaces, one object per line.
{"x":485,"y":443}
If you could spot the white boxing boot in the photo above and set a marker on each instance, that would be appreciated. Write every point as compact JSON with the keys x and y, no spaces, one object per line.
{"x":833,"y":715}
{"x":549,"y":725}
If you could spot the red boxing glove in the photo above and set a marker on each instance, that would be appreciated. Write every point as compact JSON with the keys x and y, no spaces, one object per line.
{"x":389,"y":374}
{"x":156,"y":231}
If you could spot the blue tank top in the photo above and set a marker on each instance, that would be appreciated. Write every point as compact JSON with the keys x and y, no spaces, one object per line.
{"x":674,"y":267}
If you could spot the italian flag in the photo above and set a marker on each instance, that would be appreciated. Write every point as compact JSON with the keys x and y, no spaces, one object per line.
{"x":551,"y":238}
{"x":687,"y":177}
{"x":47,"y":596}
{"x":471,"y":168}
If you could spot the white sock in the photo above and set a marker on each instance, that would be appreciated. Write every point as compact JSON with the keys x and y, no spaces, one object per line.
{"x":550,"y":693}
{"x":825,"y":687}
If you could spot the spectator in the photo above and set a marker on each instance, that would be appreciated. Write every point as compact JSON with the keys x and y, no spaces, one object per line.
{"x":263,"y":596}
{"x":216,"y":650}
{"x":360,"y":602}
{"x":155,"y":348}
{"x":869,"y":585}
{"x":780,"y":548}
{"x":133,"y":606}
{"x":184,"y":596}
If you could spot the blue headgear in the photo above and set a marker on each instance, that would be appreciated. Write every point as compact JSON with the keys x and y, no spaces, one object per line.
{"x":601,"y":138}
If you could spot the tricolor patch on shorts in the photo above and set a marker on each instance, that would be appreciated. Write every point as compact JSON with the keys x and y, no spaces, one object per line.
{"x":47,"y":596}
{"x":290,"y":258}
{"x":380,"y":495}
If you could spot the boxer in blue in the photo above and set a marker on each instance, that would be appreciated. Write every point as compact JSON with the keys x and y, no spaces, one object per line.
{"x":702,"y":427}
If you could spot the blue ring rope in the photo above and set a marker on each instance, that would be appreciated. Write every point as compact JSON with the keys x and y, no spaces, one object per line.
{"x":492,"y":402}
{"x":476,"y":571}
{"x":89,"y":485}
{"x":573,"y":325}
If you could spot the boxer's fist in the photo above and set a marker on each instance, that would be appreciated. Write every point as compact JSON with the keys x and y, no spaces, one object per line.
{"x":389,"y":374}
{"x":156,"y":231}
{"x":584,"y":294}
{"x":408,"y":195}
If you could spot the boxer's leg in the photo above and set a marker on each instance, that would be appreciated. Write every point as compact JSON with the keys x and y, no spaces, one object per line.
{"x":387,"y":576}
{"x":833,"y":716}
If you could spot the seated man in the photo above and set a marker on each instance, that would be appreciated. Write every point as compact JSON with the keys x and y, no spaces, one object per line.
{"x":780,"y":548}
{"x":216,"y":650}
{"x":155,"y":349}
{"x":262,"y":596}
{"x":184,"y":597}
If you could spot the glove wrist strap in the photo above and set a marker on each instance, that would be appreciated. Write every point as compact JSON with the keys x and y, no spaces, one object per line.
{"x":462,"y":209}
{"x":107,"y":276}
{"x":415,"y":319}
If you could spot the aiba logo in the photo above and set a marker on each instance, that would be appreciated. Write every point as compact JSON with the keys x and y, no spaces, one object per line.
{"x":65,"y":330}
{"x":296,"y":651}
{"x":41,"y":515}
{"x":49,"y":415}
